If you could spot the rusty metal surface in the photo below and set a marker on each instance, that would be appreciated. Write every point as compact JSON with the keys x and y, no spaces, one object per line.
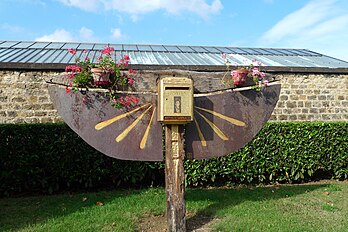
{"x":228,"y":121}
{"x":84,"y":112}
{"x":224,"y":122}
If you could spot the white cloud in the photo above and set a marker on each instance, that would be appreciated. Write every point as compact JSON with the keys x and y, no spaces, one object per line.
{"x":87,"y":35}
{"x":300,"y":20}
{"x":59,"y":35}
{"x":136,"y":7}
{"x":87,"y":5}
{"x":116,"y":34}
{"x":62,"y":35}
{"x":11,"y":28}
{"x":321,"y":26}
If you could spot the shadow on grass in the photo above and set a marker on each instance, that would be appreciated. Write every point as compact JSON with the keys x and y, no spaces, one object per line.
{"x":226,"y":198}
{"x":19,"y":213}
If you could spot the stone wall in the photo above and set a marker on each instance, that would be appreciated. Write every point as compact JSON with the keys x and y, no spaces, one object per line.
{"x":304,"y":97}
{"x":312,"y":97}
{"x":24,"y":97}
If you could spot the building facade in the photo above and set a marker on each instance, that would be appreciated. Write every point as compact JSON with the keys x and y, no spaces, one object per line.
{"x":314,"y":86}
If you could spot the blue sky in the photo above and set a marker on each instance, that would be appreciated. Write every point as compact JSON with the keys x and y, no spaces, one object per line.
{"x":318,"y":25}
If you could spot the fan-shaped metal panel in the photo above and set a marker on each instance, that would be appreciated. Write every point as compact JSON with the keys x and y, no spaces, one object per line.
{"x":224,"y":122}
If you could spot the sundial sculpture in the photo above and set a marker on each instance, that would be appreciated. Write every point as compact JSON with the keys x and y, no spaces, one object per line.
{"x":223,"y":121}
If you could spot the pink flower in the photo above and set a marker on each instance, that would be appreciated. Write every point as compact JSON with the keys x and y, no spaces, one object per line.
{"x":124,"y":102}
{"x":107,"y":50}
{"x":131,"y":71}
{"x":126,"y":57}
{"x":71,"y":75}
{"x":135,"y":99}
{"x":130,"y":80}
{"x":256,"y":62}
{"x":72,"y":68}
{"x":67,"y":90}
{"x":87,"y":59}
{"x":257,"y":72}
{"x":85,"y":51}
{"x":265,"y":82}
{"x":72,"y":51}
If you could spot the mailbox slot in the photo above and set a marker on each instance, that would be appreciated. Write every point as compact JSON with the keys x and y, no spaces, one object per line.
{"x":175,"y":100}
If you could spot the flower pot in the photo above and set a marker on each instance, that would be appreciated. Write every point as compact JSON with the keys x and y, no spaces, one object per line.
{"x":100,"y":76}
{"x":239,"y":76}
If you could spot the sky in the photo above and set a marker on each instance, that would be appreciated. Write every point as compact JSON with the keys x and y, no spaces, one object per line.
{"x":317,"y":25}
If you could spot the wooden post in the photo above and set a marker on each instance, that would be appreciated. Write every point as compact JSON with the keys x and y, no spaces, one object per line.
{"x":175,"y":178}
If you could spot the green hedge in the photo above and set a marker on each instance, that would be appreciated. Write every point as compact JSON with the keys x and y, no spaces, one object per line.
{"x":50,"y":158}
{"x":283,"y":153}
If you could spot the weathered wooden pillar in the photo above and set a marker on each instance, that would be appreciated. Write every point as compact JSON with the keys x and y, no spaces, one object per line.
{"x":175,"y":178}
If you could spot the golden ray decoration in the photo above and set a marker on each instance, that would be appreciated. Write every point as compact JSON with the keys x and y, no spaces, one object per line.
{"x":229,"y":119}
{"x":146,"y":134}
{"x":201,"y":136}
{"x":106,"y":123}
{"x":214,"y":127}
{"x":131,"y":126}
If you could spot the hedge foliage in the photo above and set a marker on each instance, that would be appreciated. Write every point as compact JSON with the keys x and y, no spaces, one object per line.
{"x":283,"y":153}
{"x":51,"y":158}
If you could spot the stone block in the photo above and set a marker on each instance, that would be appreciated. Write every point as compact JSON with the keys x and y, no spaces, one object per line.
{"x":40,"y":113}
{"x":326,"y":104}
{"x":302,"y":97}
{"x":47,"y":106}
{"x":300,"y":91}
{"x":43,"y":99}
{"x":316,"y":104}
{"x":11,"y":114}
{"x":313,"y":110}
{"x":46,"y":120}
{"x":3,"y":99}
{"x":280,"y":104}
{"x":302,"y":117}
{"x":293,"y":117}
{"x":291,"y":104}
{"x":330,"y":97}
{"x":282,"y":117}
{"x":327,"y":117}
{"x":273,"y":118}
{"x":18,"y":99}
{"x":31,"y":107}
{"x":294,"y":87}
{"x":283,"y":97}
{"x":294,"y":97}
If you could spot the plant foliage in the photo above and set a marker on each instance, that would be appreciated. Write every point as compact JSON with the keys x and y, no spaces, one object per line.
{"x":51,"y":158}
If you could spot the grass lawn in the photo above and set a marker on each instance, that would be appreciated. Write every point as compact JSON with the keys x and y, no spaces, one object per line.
{"x":310,"y":207}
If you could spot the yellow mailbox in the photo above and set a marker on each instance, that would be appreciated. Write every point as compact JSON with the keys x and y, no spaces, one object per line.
{"x":175,"y":100}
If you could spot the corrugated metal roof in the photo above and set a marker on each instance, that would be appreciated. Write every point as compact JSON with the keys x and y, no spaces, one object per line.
{"x":24,"y":52}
